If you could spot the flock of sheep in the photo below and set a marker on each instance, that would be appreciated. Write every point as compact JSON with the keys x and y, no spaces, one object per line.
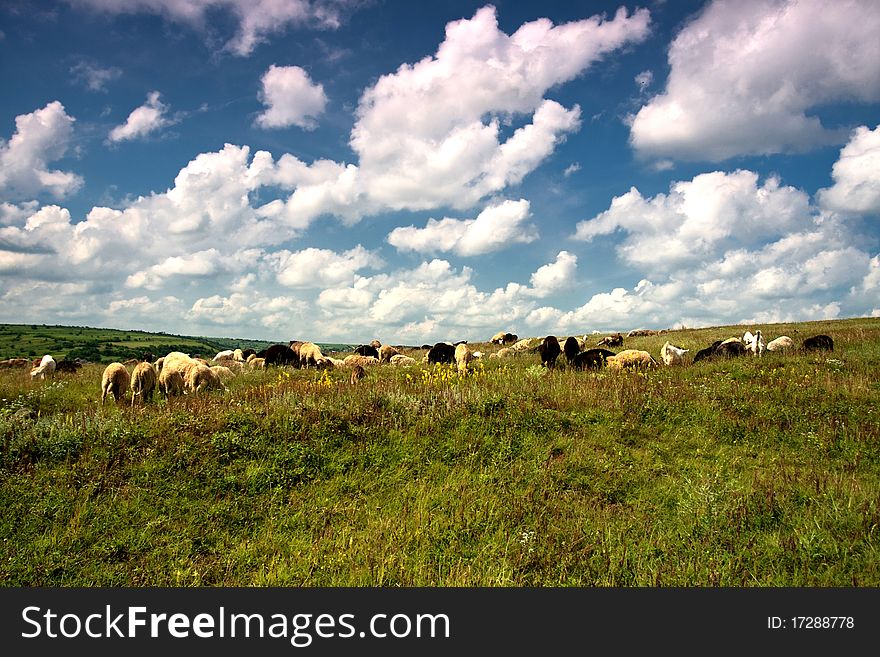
{"x":178,"y":373}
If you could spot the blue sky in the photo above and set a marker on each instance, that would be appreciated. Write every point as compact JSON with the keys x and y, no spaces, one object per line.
{"x":343,"y":170}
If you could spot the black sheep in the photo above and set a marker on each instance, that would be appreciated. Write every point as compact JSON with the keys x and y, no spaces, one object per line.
{"x":366,"y":350}
{"x":591,"y":359}
{"x":819,"y":343}
{"x":707,"y":352}
{"x":549,"y":351}
{"x":571,"y":348}
{"x":442,"y":352}
{"x":280,"y":354}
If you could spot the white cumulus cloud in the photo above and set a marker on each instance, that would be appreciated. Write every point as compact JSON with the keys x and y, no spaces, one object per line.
{"x":291,"y":98}
{"x":856,"y":175}
{"x":745,"y":75}
{"x":40,"y":137}
{"x":496,"y":227}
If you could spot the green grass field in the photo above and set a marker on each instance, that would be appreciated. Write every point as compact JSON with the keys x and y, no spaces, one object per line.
{"x":749,"y":472}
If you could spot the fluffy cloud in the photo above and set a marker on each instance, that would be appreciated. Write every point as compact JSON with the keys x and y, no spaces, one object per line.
{"x":495,"y":228}
{"x":257,"y":19}
{"x":291,"y":98}
{"x":429,"y":134}
{"x":718,"y":249}
{"x":322,"y":268}
{"x":40,"y":137}
{"x":744,"y":75}
{"x":856,"y":175}
{"x":698,"y":219}
{"x":146,"y":119}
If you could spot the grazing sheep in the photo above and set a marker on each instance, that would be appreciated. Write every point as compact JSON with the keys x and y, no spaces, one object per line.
{"x":442,"y":352}
{"x":201,"y":378}
{"x":115,"y":381}
{"x":571,"y":348}
{"x":707,"y":352}
{"x":631,"y":358}
{"x":336,"y":362}
{"x":615,"y":340}
{"x":281,"y":354}
{"x":757,"y":345}
{"x":463,"y":356}
{"x":357,"y":373}
{"x":782,"y":343}
{"x":672,"y":355}
{"x":818,"y":343}
{"x":638,"y":333}
{"x":247,"y":352}
{"x":68,"y":366}
{"x":526,"y":344}
{"x":238,"y":355}
{"x":400,"y":359}
{"x":591,"y":359}
{"x":730,"y":348}
{"x":11,"y":363}
{"x":223,"y":372}
{"x":171,"y":383}
{"x":503,"y":338}
{"x":257,"y":363}
{"x":504,"y":352}
{"x":367,"y":350}
{"x":226,"y":354}
{"x":176,"y":361}
{"x":549,"y":351}
{"x":310,"y":354}
{"x":356,"y":359}
{"x":143,"y":382}
{"x":386,"y":351}
{"x":45,"y":368}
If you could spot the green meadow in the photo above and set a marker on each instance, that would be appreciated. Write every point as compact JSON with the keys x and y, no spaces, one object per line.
{"x":751,"y":472}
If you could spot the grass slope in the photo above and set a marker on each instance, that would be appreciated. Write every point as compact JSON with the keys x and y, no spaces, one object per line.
{"x":750,"y":472}
{"x":106,"y":345}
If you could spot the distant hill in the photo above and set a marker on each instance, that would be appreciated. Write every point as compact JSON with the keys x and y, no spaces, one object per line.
{"x":106,"y":345}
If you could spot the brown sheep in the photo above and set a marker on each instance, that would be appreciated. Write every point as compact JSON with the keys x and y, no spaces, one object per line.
{"x":115,"y":381}
{"x":386,"y":351}
{"x":357,"y":359}
{"x":357,"y":373}
{"x":143,"y":382}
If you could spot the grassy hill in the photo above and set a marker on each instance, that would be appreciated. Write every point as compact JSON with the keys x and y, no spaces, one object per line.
{"x":103,"y":345}
{"x":747,"y":472}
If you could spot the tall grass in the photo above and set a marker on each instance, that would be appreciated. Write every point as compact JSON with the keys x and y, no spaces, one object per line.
{"x":749,"y":472}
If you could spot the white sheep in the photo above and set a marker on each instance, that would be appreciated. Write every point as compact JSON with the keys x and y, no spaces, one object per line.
{"x":782,"y":343}
{"x":171,"y":383}
{"x":757,"y":345}
{"x":115,"y":381}
{"x":672,"y":355}
{"x":631,"y":358}
{"x":143,"y":382}
{"x":400,"y":359}
{"x":463,"y":356}
{"x":45,"y":368}
{"x":200,"y":378}
{"x":226,"y":354}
